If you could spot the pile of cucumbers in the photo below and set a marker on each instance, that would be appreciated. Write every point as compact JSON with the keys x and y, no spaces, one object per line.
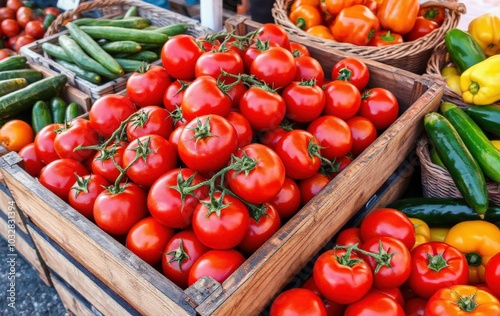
{"x":460,"y":140}
{"x":99,"y":50}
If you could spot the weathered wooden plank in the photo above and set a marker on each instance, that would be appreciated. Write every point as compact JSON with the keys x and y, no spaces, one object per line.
{"x":70,"y":300}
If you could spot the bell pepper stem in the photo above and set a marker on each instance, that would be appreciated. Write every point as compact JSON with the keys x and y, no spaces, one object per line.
{"x":474,"y":87}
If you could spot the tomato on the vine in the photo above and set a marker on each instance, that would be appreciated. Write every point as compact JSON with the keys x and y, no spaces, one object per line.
{"x":309,"y":68}
{"x":147,"y":85}
{"x":174,"y":93}
{"x":104,"y":161}
{"x":275,"y":66}
{"x":78,"y":132}
{"x":274,"y":33}
{"x":108,"y":112}
{"x":218,"y":264}
{"x":263,"y":108}
{"x":84,"y":192}
{"x":212,"y":63}
{"x":60,"y":175}
{"x":254,"y":50}
{"x":264,"y":222}
{"x":151,"y":120}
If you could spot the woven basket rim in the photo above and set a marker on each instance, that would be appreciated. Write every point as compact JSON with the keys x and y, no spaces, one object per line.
{"x":452,"y":17}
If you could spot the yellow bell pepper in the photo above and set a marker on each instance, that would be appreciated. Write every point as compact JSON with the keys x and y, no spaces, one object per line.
{"x":448,"y":71}
{"x":496,"y":143}
{"x":480,"y":84}
{"x":478,"y":241}
{"x":422,"y":231}
{"x":453,"y":82}
{"x":485,"y":30}
{"x":439,"y":233}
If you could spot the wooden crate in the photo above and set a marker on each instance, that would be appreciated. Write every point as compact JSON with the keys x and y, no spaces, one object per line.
{"x":248,"y":290}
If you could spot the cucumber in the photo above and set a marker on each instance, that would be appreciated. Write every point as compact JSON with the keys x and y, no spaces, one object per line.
{"x":435,"y":158}
{"x":151,"y":27}
{"x":82,"y":59}
{"x":72,"y":111}
{"x":443,"y":212}
{"x":483,"y":151}
{"x":13,"y":62}
{"x":131,"y":22}
{"x":40,"y":116}
{"x":21,"y":100}
{"x":126,"y":47}
{"x":130,"y":65}
{"x":463,"y":50}
{"x":56,"y":52}
{"x":174,"y":29}
{"x":11,"y":85}
{"x":30,"y":75}
{"x":132,"y":11}
{"x":122,"y":34}
{"x":486,"y":116}
{"x":145,"y":55}
{"x":79,"y":72}
{"x":47,"y":20}
{"x":90,"y":46}
{"x":463,"y":169}
{"x":150,"y":47}
{"x":57,"y":109}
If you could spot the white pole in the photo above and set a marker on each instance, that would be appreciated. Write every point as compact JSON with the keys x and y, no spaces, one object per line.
{"x":211,"y":14}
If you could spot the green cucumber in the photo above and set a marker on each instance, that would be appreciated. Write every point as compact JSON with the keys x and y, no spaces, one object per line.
{"x":145,"y":55}
{"x":93,"y":49}
{"x":122,"y":34}
{"x":23,"y":99}
{"x":463,"y":50}
{"x":130,"y":23}
{"x":30,"y":75}
{"x":13,"y":62}
{"x":151,"y":27}
{"x":47,"y":20}
{"x":58,"y":109}
{"x":486,"y":116}
{"x":79,"y":72}
{"x":483,"y":151}
{"x":56,"y":52}
{"x":435,"y":158}
{"x":125,"y":47}
{"x":72,"y":111}
{"x":443,"y":212}
{"x":174,"y":29}
{"x":11,"y":85}
{"x":130,"y":65}
{"x":132,"y":11}
{"x":40,"y":116}
{"x":463,"y":169}
{"x":82,"y":59}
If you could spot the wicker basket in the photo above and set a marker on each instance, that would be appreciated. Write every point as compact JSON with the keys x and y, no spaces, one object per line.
{"x":411,"y":56}
{"x":437,"y":182}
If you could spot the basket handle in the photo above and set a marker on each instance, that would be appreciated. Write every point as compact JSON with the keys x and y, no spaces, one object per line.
{"x":454,"y":6}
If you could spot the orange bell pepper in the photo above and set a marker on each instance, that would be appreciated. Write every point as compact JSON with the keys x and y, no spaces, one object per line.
{"x":355,"y":25}
{"x":398,"y":15}
{"x":321,"y":31}
{"x":462,"y":300}
{"x":385,"y":38}
{"x":298,"y":3}
{"x":305,"y":16}
{"x":334,"y":7}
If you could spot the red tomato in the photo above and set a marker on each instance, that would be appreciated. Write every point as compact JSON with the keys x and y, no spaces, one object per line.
{"x":78,"y":132}
{"x":492,"y":274}
{"x":394,"y":293}
{"x":299,"y":49}
{"x":341,"y":164}
{"x":23,"y":40}
{"x":118,"y":210}
{"x":206,"y":144}
{"x":265,"y":221}
{"x":218,"y":264}
{"x":415,"y":306}
{"x":179,"y":56}
{"x":147,"y":85}
{"x":363,"y":134}
{"x":204,"y":97}
{"x":274,"y":33}
{"x":287,"y":201}
{"x":107,"y":113}
{"x":51,"y":10}
{"x":156,"y":156}
{"x":7,"y":13}
{"x":309,"y":68}
{"x":275,"y":66}
{"x":257,"y":175}
{"x":5,"y":52}
{"x":10,"y":27}
{"x":264,"y":109}
{"x":24,"y":15}
{"x":103,"y":164}
{"x":152,"y":120}
{"x":271,"y":137}
{"x":433,"y":13}
{"x":298,"y":301}
{"x":388,"y":222}
{"x":175,"y":136}
{"x":333,"y":134}
{"x":84,"y":192}
{"x":60,"y":175}
{"x":235,"y":93}
{"x":182,"y":251}
{"x":221,"y":226}
{"x":352,"y":70}
{"x":349,"y":237}
{"x":304,"y":101}
{"x":171,"y":202}
{"x":254,"y":50}
{"x":397,"y":269}
{"x":311,"y":186}
{"x":14,"y":5}
{"x":148,"y":239}
{"x":343,"y":99}
{"x":242,"y":127}
{"x":422,"y":27}
{"x":173,"y":95}
{"x":299,"y":152}
{"x":44,"y":143}
{"x":212,"y":63}
{"x":31,"y":162}
{"x":35,"y":29}
{"x":380,"y":106}
{"x":332,"y":308}
{"x":340,"y":281}
{"x":375,"y":304}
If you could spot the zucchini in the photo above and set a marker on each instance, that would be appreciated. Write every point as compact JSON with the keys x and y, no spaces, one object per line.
{"x":483,"y":151}
{"x":56,"y":52}
{"x":463,"y":50}
{"x":463,"y":169}
{"x":126,"y":47}
{"x":145,"y":55}
{"x":486,"y":116}
{"x":23,"y":99}
{"x":130,"y":65}
{"x":30,"y":75}
{"x":82,"y":59}
{"x":132,"y":11}
{"x":122,"y":34}
{"x":13,"y":62}
{"x":72,"y":111}
{"x":57,"y":109}
{"x":79,"y":72}
{"x":40,"y":116}
{"x":90,"y":46}
{"x":11,"y":85}
{"x":174,"y":29}
{"x":443,"y":212}
{"x":47,"y":20}
{"x":130,"y":23}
